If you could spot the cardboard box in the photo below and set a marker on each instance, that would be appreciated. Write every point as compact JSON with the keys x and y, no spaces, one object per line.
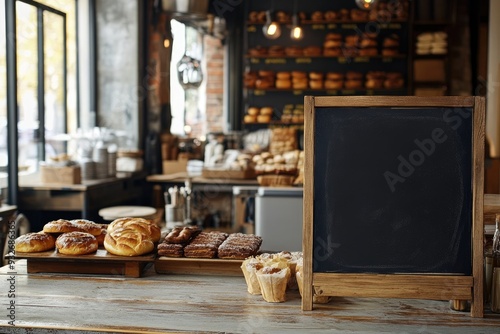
{"x":61,"y":175}
{"x":174,"y":166}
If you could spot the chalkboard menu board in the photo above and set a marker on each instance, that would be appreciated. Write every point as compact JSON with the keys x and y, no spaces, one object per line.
{"x":396,"y":189}
{"x":393,"y":198}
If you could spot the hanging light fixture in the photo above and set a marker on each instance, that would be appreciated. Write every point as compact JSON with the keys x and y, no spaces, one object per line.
{"x":366,"y":4}
{"x":296,"y":32}
{"x":271,"y":29}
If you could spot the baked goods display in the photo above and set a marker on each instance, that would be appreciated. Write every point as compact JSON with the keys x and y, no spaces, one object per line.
{"x":347,"y":51}
{"x":128,"y":242}
{"x":271,"y":275}
{"x":76,"y":243}
{"x":435,"y":43}
{"x":34,"y":242}
{"x":210,"y":245}
{"x":258,"y":115}
{"x":267,"y":163}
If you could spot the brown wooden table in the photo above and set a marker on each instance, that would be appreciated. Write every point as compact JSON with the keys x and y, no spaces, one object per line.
{"x":154,"y":303}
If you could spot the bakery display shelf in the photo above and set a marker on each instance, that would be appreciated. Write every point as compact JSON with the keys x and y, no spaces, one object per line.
{"x":274,"y":123}
{"x":327,"y":22}
{"x":343,"y":91}
{"x":198,"y":266}
{"x":340,"y":58}
{"x":100,"y":262}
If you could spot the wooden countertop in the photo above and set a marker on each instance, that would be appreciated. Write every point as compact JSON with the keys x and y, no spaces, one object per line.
{"x":183,"y":176}
{"x":210,"y":304}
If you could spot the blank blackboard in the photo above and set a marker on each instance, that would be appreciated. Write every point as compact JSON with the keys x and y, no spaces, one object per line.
{"x":392,"y":190}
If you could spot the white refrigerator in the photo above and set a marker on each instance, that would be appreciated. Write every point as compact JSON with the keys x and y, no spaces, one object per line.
{"x":278,"y":218}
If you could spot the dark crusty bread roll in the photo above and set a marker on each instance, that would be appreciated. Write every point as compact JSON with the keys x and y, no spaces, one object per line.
{"x":34,"y":242}
{"x":76,"y":243}
{"x":127,"y":242}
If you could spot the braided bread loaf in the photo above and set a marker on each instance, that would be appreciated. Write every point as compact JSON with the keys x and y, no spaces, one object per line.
{"x":127,"y":242}
{"x":141,"y":225}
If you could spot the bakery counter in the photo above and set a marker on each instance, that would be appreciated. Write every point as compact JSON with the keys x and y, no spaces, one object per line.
{"x":53,"y":303}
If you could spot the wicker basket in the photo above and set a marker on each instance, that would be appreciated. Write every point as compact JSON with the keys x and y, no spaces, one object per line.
{"x":276,"y":180}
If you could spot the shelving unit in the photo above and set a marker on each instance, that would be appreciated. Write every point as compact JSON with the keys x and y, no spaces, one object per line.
{"x":315,"y":33}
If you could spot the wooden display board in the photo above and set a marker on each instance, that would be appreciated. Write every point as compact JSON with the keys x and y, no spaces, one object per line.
{"x":393,"y":198}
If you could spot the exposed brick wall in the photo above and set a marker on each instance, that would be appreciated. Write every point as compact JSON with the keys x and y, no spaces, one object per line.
{"x":214,"y":56}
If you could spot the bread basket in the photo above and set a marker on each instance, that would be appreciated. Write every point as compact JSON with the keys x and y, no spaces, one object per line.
{"x":275,"y":180}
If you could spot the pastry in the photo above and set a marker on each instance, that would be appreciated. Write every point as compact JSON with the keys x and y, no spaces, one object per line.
{"x":299,"y":75}
{"x":283,"y":84}
{"x":317,"y":16}
{"x":273,"y":283}
{"x":344,"y":14}
{"x":127,"y":242}
{"x":359,"y":15}
{"x":76,"y":225}
{"x":34,"y":242}
{"x":257,"y":51}
{"x":334,"y":76}
{"x":391,"y":41}
{"x":330,"y":15}
{"x":352,"y":40}
{"x":253,"y":16}
{"x":300,"y":83}
{"x":263,"y":118}
{"x":76,"y":243}
{"x":334,"y":84}
{"x":352,"y":75}
{"x":333,"y":36}
{"x":205,"y":245}
{"x":283,"y":75}
{"x":332,"y":52}
{"x":249,"y":267}
{"x":390,"y":52}
{"x":276,"y":51}
{"x":142,"y":225}
{"x":100,"y":237}
{"x":250,"y":119}
{"x":316,"y":75}
{"x":265,"y":73}
{"x":312,"y":51}
{"x":266,"y":111}
{"x":239,"y":246}
{"x":294,"y":51}
{"x":170,"y":250}
{"x":353,"y":84}
{"x":253,"y":111}
{"x":364,"y":52}
{"x":316,"y":84}
{"x":182,"y":235}
{"x":264,"y":83}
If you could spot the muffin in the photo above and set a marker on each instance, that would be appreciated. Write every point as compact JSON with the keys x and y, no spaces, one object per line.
{"x":273,"y":283}
{"x":249,"y":267}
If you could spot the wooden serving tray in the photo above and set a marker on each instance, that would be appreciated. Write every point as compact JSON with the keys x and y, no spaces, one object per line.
{"x":185,"y":265}
{"x":100,"y":262}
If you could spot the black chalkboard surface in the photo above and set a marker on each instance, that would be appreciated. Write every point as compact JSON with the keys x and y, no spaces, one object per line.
{"x":392,"y":190}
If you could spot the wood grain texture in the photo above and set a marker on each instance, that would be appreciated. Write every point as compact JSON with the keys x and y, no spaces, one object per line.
{"x":100,"y":262}
{"x":308,"y":200}
{"x":478,"y":140}
{"x":393,"y":101}
{"x":190,"y":266}
{"x":211,"y":304}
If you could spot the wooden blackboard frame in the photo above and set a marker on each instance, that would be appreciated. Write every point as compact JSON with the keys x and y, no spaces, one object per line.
{"x":413,"y":286}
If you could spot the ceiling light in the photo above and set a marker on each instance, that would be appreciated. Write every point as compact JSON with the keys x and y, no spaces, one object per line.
{"x":366,"y":4}
{"x":296,"y":32}
{"x":271,"y":29}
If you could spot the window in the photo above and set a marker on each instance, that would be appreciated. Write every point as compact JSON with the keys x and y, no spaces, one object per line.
{"x":46,"y":80}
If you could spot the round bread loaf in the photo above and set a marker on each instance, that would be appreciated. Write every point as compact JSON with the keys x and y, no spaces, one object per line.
{"x":76,"y":225}
{"x":34,"y":242}
{"x":142,"y":225}
{"x":76,"y":243}
{"x":127,"y":242}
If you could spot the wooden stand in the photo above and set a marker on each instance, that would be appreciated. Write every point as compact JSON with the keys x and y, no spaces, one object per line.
{"x":419,"y":286}
{"x":101,"y":263}
{"x":172,"y":265}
